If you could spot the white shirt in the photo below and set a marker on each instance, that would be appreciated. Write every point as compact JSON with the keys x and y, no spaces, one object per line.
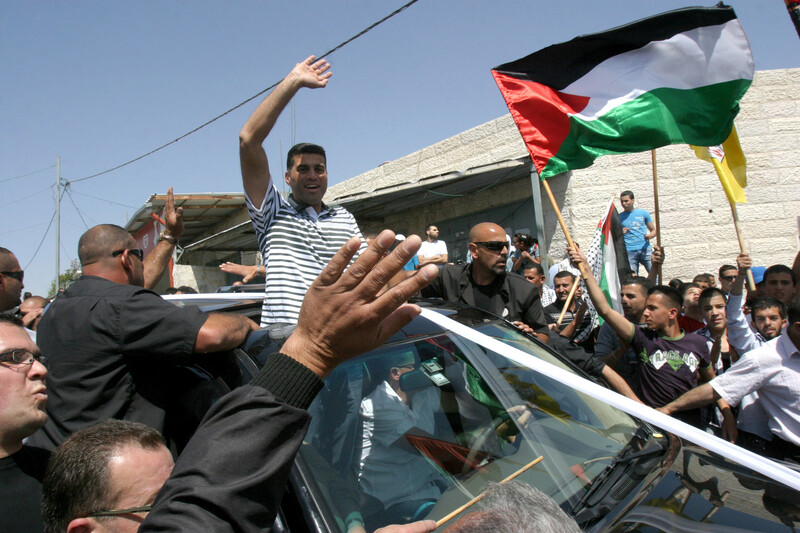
{"x":296,"y":243}
{"x":430,"y":249}
{"x":774,"y":371}
{"x":389,"y":472}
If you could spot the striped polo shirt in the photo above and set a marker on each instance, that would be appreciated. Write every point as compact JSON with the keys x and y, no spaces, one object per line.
{"x":296,"y":243}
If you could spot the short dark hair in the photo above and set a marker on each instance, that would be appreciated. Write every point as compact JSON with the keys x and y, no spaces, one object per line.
{"x":77,"y":479}
{"x":710,"y":292}
{"x":780,"y":269}
{"x":538,"y":268}
{"x":629,"y":194}
{"x":564,"y":274}
{"x":525,"y":239}
{"x":723,"y":268}
{"x":684,"y":287}
{"x":793,"y":311}
{"x":429,"y":226}
{"x":304,"y":148}
{"x":643,"y":282}
{"x":669,"y":293}
{"x":703,"y":277}
{"x":763,"y":303}
{"x":98,"y":242}
{"x":185,"y":289}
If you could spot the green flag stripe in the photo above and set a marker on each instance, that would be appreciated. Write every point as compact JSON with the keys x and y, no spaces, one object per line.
{"x":654,"y":119}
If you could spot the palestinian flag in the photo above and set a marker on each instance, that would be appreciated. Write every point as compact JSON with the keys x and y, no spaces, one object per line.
{"x":669,"y":79}
{"x":607,"y":257}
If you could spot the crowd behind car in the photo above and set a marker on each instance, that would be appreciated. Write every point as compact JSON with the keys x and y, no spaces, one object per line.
{"x":88,"y":398}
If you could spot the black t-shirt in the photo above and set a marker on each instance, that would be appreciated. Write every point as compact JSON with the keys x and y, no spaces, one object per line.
{"x":21,"y":476}
{"x":110,"y":350}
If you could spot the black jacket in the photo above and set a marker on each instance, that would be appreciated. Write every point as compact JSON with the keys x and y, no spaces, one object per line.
{"x":516,"y":299}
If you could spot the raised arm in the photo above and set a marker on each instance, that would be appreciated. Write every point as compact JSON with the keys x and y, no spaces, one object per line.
{"x":621,"y":325}
{"x":255,"y":169}
{"x":657,"y":259}
{"x":740,"y":335}
{"x":156,"y":261}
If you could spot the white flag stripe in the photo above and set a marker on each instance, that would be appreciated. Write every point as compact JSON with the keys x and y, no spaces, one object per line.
{"x":730,"y":451}
{"x":697,"y":58}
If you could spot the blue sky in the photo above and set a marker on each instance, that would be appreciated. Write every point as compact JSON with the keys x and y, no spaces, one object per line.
{"x":101,"y":82}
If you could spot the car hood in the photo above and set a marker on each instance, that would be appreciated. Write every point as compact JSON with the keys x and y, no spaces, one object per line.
{"x":696,"y":490}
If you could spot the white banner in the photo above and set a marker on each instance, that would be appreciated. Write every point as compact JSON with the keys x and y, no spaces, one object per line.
{"x":726,"y":449}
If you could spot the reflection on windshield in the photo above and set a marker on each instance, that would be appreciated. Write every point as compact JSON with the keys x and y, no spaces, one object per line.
{"x":415,"y":429}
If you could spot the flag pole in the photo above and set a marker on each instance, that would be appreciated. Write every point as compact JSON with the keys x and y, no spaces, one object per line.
{"x":656,"y":213}
{"x":751,"y":283}
{"x":563,"y":224}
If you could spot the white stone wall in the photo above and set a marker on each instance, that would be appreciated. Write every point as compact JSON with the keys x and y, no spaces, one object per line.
{"x":696,"y":223}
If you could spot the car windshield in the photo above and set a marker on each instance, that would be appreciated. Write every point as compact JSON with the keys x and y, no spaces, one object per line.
{"x":418,"y":427}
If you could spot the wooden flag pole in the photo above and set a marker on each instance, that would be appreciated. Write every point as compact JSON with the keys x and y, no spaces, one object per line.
{"x":656,"y":213}
{"x":480,"y":496}
{"x":582,"y":266}
{"x":570,"y":296}
{"x":751,"y":283}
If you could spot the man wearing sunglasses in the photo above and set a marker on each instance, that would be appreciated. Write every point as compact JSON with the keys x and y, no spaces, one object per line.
{"x":485,"y":284}
{"x":113,"y":343}
{"x":22,"y":412}
{"x":10,"y":280}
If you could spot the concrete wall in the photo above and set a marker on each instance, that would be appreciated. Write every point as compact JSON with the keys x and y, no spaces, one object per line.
{"x":697,"y":227}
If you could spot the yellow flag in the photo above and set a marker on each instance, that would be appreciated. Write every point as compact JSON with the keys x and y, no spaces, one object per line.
{"x":730,"y":164}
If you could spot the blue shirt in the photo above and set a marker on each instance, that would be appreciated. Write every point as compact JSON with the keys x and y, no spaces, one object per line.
{"x":636,"y":221}
{"x":413,"y":264}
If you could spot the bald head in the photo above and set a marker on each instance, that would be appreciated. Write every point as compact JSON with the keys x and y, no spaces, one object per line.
{"x":7,"y":259}
{"x":486,"y":231}
{"x":99,"y":242}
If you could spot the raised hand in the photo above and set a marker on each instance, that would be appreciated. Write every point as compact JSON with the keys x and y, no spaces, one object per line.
{"x":312,"y":74}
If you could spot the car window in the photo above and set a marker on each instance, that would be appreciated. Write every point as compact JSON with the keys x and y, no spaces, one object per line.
{"x":418,"y":427}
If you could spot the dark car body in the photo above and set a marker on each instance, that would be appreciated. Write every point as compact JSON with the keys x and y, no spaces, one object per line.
{"x":610,"y":471}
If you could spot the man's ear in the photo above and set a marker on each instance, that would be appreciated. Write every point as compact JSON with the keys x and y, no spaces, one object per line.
{"x":286,"y":177}
{"x":83,"y":525}
{"x":473,"y":250}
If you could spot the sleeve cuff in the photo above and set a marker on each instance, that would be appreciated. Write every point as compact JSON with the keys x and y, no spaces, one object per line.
{"x":288,"y":380}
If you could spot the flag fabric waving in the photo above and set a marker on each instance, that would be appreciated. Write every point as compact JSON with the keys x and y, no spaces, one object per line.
{"x":668,"y":79}
{"x":730,"y":165}
{"x":607,"y":257}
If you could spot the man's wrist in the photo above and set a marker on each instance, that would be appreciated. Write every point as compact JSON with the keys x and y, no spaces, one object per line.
{"x":164,"y":236}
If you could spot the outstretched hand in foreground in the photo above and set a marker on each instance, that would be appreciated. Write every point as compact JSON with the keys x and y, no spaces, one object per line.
{"x":344,"y":312}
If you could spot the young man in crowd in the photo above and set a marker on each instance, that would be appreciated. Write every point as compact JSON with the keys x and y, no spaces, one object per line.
{"x":609,"y":347}
{"x":727,"y":274}
{"x":638,"y":228}
{"x":670,"y":360}
{"x":535,"y":274}
{"x":773,"y":371}
{"x":692,"y":317}
{"x":577,"y":322}
{"x":433,"y":251}
{"x":779,"y":283}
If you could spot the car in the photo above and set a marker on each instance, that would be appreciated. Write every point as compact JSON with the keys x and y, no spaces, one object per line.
{"x":485,"y":417}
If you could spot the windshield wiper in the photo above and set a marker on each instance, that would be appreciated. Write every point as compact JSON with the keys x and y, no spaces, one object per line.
{"x":587,"y":507}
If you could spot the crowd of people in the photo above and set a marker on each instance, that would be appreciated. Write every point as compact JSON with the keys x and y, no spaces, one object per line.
{"x":89,"y":435}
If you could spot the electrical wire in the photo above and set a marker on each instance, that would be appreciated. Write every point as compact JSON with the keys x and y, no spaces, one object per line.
{"x":26,"y":197}
{"x":43,"y":237}
{"x":27,"y":174}
{"x":23,"y":229}
{"x":69,"y":195}
{"x":198,"y":128}
{"x":103,"y":199}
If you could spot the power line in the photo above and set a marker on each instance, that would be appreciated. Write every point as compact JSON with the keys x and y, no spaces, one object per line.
{"x":23,"y":229}
{"x":27,"y":174}
{"x":26,"y":197}
{"x":43,"y":238}
{"x":69,"y":195}
{"x":234,"y":108}
{"x":103,"y":199}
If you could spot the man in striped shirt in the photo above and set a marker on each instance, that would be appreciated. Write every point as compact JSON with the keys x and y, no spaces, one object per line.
{"x":297,"y":236}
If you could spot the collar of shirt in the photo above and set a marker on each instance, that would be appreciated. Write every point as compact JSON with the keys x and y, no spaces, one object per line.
{"x":301,"y":207}
{"x":466,"y":281}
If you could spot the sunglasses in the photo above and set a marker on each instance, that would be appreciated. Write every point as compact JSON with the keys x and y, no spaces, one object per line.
{"x":135,"y":251}
{"x":16,"y":274}
{"x":495,"y":246}
{"x":728,"y":278}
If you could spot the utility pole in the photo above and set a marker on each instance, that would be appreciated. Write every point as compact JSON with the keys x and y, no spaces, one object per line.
{"x":58,"y":224}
